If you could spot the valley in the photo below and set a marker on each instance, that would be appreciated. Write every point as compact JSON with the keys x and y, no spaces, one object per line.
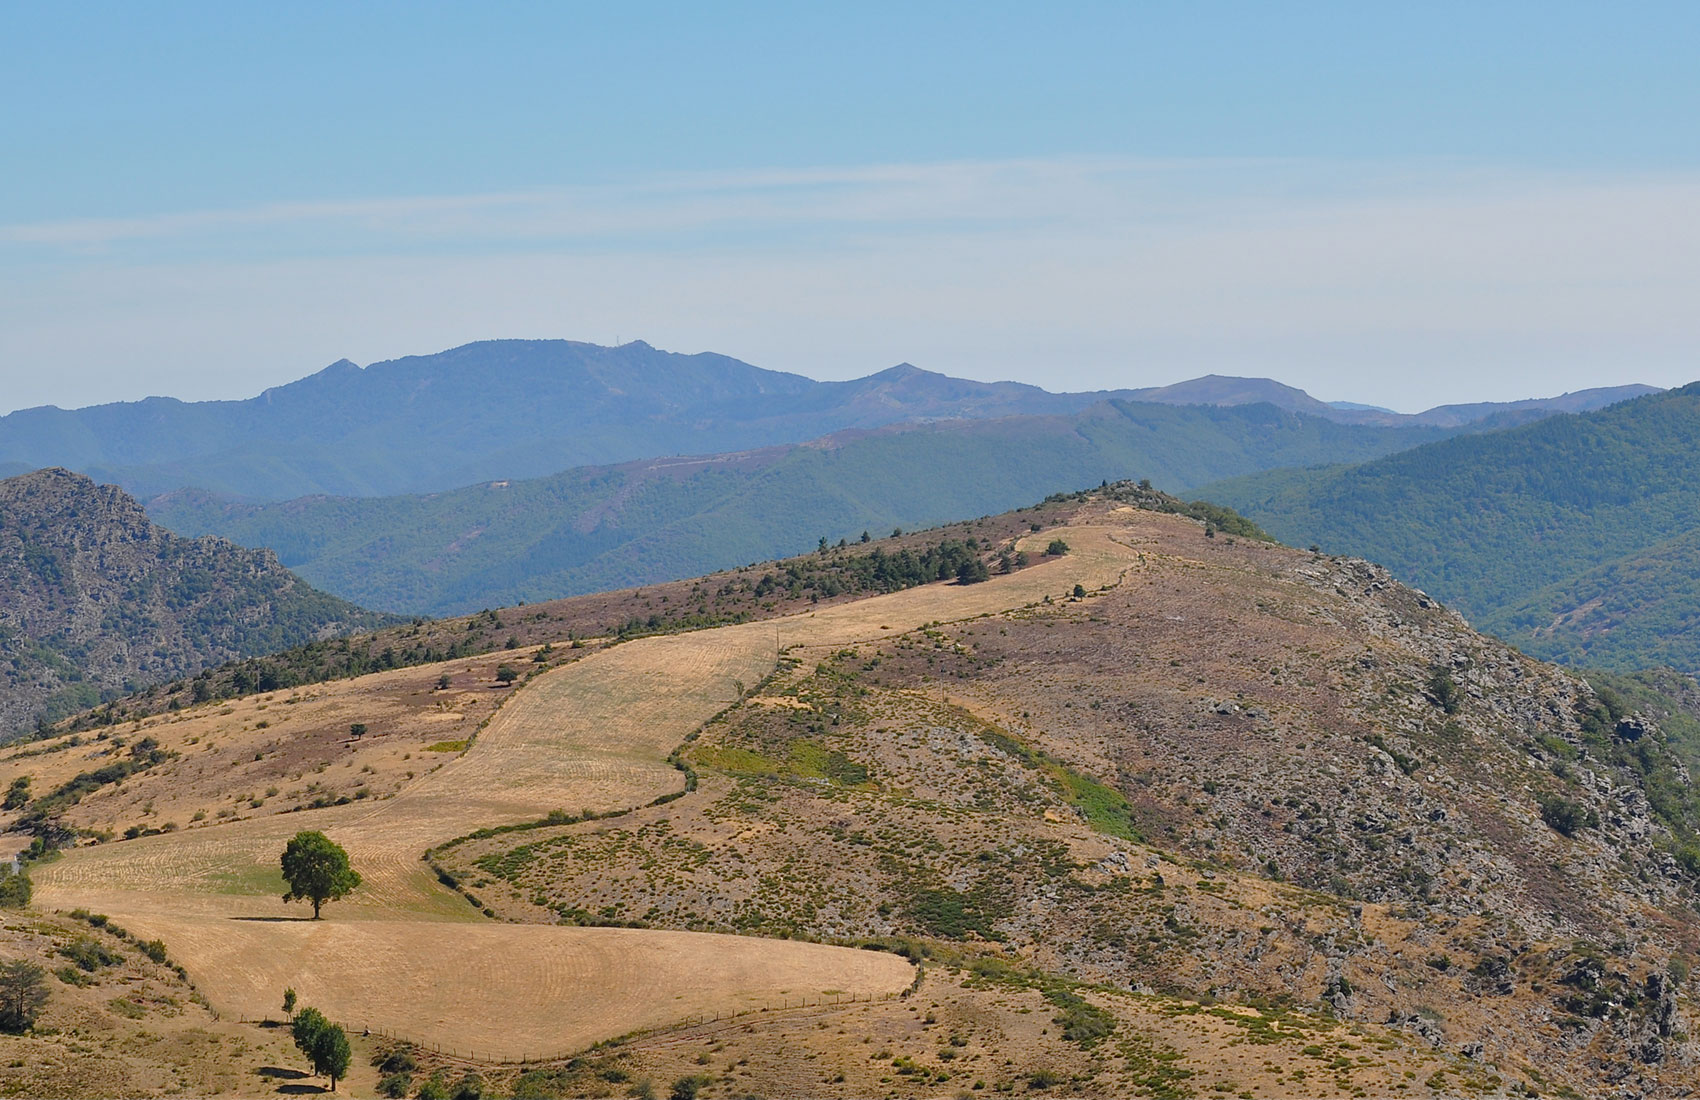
{"x":1571,"y":538}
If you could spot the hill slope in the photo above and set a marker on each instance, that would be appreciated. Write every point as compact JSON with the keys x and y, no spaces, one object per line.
{"x":1571,"y":536}
{"x":602,"y":528}
{"x":527,"y":408}
{"x":96,"y":600}
{"x":1169,"y":814}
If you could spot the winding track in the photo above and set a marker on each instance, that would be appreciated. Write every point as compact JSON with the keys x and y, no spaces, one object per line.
{"x":405,"y":954}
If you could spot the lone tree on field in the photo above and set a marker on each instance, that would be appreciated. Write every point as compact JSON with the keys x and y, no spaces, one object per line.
{"x":317,"y":870}
{"x":507,"y":674}
{"x":325,"y":1044}
{"x":23,"y":991}
{"x":289,"y":1002}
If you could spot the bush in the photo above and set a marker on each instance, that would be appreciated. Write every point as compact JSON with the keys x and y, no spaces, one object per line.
{"x":434,"y":1088}
{"x":90,"y":955}
{"x":507,"y":674}
{"x":14,"y":891}
{"x":396,"y":1085}
{"x":687,"y":1088}
{"x":155,"y":950}
{"x":1444,"y":690}
{"x":399,"y":1060}
{"x":1045,"y":1079}
{"x":1082,"y":1022}
{"x":1057,"y":547}
{"x":470,"y":1087}
{"x":1566,"y":816}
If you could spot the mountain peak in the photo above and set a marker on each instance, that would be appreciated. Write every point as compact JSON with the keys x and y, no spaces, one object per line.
{"x":904,"y":370}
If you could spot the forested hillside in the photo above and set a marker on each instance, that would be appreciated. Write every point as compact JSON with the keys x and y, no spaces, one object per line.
{"x":593,"y":529}
{"x":1573,"y":537}
{"x":95,"y":600}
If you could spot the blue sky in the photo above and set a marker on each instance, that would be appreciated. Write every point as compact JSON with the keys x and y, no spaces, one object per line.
{"x":1402,"y":204}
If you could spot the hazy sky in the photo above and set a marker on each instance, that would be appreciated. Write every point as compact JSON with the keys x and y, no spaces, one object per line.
{"x":1398,"y":204}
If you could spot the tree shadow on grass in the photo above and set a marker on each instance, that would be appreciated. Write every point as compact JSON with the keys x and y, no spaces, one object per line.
{"x":298,"y":1085}
{"x":274,"y":920}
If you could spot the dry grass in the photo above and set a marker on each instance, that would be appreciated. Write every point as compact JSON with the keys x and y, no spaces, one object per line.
{"x":275,"y":752}
{"x":594,"y":734}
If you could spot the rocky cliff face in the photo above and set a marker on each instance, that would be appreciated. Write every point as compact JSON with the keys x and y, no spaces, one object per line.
{"x":95,"y":600}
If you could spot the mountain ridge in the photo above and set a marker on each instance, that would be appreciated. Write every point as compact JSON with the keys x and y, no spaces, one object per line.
{"x":527,"y":408}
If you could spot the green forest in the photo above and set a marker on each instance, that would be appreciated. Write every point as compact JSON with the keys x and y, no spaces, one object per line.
{"x":1573,"y":538}
{"x":611,"y":527}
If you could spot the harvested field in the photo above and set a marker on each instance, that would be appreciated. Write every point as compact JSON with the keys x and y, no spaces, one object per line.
{"x":276,"y":751}
{"x":503,"y":991}
{"x":594,"y":734}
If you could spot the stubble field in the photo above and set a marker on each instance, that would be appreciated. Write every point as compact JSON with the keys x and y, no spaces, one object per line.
{"x":406,"y":954}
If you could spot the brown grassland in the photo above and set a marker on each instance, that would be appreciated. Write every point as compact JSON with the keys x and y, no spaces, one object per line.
{"x":1169,"y":815}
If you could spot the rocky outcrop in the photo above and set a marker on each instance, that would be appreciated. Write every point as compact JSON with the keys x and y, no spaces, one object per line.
{"x":95,"y":600}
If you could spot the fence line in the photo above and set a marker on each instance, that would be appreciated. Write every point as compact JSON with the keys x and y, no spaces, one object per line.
{"x":471,"y":1055}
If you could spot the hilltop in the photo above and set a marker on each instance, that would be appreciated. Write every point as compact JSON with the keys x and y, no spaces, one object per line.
{"x":1571,"y":537}
{"x":1159,"y":808}
{"x":98,"y":601}
{"x":503,"y":409}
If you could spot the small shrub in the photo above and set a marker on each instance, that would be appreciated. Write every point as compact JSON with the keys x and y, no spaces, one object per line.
{"x":399,"y":1060}
{"x":1045,"y":1079}
{"x":1444,"y":691}
{"x":396,"y":1085}
{"x":688,"y":1088}
{"x":1057,"y":547}
{"x":1566,"y":816}
{"x":1678,"y":969}
{"x":89,"y":954}
{"x":14,"y":891}
{"x":127,"y":1008}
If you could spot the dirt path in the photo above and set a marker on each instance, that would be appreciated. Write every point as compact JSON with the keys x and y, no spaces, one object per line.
{"x":408,"y":955}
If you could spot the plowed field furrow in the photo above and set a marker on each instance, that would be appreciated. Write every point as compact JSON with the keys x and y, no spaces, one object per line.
{"x":405,"y":954}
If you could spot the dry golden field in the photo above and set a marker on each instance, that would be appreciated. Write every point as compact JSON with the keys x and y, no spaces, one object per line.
{"x":592,"y":734}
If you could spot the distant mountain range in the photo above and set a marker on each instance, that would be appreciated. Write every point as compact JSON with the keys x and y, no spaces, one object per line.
{"x":1576,"y":538}
{"x":659,"y":519}
{"x":505,"y":409}
{"x":95,"y":600}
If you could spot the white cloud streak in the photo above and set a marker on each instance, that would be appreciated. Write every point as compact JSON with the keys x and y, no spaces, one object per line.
{"x":1405,"y":285}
